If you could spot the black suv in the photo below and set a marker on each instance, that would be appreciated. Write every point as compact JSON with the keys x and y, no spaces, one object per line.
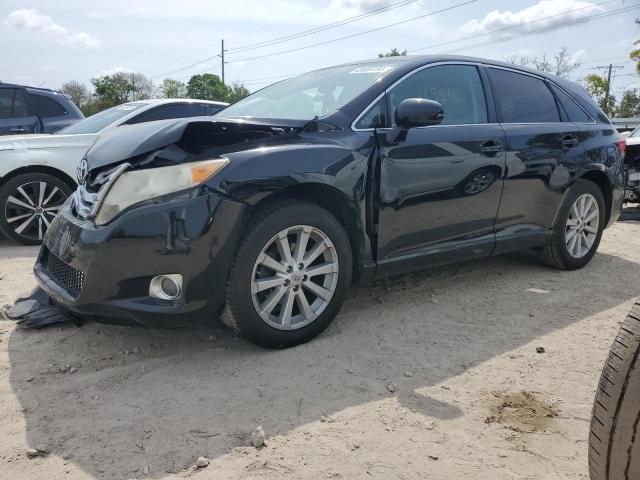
{"x":34,"y":110}
{"x":270,"y":209}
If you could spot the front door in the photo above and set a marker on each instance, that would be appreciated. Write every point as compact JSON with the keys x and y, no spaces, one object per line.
{"x":440,"y":186}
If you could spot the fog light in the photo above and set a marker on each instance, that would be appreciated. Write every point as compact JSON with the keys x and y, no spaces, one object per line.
{"x":166,"y":287}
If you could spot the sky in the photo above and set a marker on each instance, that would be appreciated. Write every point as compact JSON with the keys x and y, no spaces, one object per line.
{"x":46,"y":43}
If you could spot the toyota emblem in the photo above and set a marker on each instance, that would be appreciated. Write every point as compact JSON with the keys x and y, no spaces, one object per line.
{"x":82,"y":170}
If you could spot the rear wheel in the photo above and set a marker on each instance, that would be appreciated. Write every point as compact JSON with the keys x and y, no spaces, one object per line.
{"x":577,"y":229}
{"x":290,"y":276}
{"x":29,"y":202}
{"x":614,"y":441}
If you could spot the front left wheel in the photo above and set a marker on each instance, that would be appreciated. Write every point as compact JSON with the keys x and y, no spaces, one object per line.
{"x":28,"y":204}
{"x":290,"y":276}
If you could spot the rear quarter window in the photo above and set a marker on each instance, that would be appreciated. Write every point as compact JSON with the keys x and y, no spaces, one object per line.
{"x":522,"y":98}
{"x":47,"y":107}
{"x":574,"y":112}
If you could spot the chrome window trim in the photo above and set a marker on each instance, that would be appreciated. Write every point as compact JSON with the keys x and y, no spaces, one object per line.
{"x":477,"y":64}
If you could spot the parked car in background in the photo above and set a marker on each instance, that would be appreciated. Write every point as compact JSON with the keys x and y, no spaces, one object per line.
{"x":35,"y":110}
{"x":38,"y":172}
{"x":632,"y":166}
{"x":269,"y":210}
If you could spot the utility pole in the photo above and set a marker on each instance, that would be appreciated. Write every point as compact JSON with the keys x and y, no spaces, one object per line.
{"x":609,"y":68}
{"x":222,"y":58}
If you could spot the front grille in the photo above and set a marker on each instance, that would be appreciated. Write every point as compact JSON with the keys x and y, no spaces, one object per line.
{"x":68,"y":277}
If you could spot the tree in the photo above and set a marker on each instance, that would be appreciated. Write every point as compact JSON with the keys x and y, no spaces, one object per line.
{"x":173,"y":88}
{"x":597,"y":87}
{"x":236,"y":92}
{"x":394,"y":52}
{"x":629,"y":104}
{"x":78,"y":92}
{"x":207,"y":86}
{"x":121,"y":87}
{"x":562,"y":63}
{"x":635,"y":55}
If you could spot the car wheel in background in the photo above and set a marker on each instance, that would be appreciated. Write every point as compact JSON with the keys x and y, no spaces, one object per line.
{"x":290,"y":276}
{"x":614,"y":441}
{"x":577,"y":229}
{"x":28,"y":204}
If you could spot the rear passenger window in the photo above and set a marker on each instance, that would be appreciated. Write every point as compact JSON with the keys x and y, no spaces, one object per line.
{"x":47,"y":107}
{"x":456,"y":87}
{"x":211,"y":109}
{"x":13,"y":103}
{"x":164,"y":112}
{"x":522,"y":98}
{"x":574,"y":112}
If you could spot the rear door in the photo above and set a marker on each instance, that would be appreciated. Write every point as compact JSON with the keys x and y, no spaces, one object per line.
{"x":52,"y":114}
{"x":540,"y":151}
{"x":16,"y":115}
{"x":440,"y":186}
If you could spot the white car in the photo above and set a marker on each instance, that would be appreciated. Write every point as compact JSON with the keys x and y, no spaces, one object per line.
{"x":38,"y":172}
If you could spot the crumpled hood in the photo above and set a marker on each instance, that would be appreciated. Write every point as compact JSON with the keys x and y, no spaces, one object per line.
{"x":16,"y":142}
{"x":128,"y":141}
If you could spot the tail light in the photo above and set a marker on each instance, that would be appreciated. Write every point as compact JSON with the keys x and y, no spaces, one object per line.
{"x":622,"y":145}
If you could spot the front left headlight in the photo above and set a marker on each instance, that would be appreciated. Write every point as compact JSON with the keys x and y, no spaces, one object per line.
{"x":140,"y":185}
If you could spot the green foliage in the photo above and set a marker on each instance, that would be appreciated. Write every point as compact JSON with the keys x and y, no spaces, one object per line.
{"x":635,"y":55}
{"x":629,"y":104}
{"x":207,"y":86}
{"x":173,"y":88}
{"x":237,"y":91}
{"x":597,"y":86}
{"x":394,"y":52}
{"x":121,"y":87}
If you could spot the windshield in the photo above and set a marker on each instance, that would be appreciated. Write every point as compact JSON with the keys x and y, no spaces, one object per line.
{"x":635,"y":133}
{"x":97,"y":122}
{"x":312,"y":94}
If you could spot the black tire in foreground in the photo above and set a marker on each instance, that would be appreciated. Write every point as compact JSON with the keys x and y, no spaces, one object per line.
{"x":614,"y":442}
{"x":28,"y":204}
{"x":576,"y":231}
{"x":290,"y":276}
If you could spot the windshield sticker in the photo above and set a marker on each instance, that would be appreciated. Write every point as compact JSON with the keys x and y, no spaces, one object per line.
{"x":382,"y":69}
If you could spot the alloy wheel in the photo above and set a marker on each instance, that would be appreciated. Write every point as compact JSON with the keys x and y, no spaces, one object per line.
{"x":582,"y":225}
{"x":294,"y":277}
{"x":31,"y":207}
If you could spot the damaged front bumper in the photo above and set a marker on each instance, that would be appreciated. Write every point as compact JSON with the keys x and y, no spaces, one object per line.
{"x":104,"y":272}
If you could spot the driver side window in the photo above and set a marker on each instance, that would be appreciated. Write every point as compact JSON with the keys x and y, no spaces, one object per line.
{"x":457,"y":88}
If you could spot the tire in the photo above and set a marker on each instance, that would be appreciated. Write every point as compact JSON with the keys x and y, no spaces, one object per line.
{"x":27,"y":220}
{"x":557,"y":253}
{"x":614,"y":441}
{"x":261,"y":239}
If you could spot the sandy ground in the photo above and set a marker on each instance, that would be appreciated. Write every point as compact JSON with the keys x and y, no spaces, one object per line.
{"x":471,"y":397}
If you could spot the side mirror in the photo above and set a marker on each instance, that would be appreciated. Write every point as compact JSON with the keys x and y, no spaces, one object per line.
{"x":418,"y":112}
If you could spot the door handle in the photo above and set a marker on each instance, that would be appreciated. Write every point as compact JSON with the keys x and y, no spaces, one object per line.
{"x":569,"y":141}
{"x":16,"y":129}
{"x":490,"y":147}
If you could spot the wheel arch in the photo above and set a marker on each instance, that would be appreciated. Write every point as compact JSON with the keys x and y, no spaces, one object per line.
{"x":40,"y":169}
{"x":602,"y":181}
{"x":335,"y":202}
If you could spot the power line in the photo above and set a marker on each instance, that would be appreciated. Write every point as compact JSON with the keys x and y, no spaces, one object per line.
{"x":297,"y":35}
{"x":322,"y":28}
{"x":458,"y":5}
{"x":544,"y":29}
{"x":265,"y":27}
{"x":511,"y":27}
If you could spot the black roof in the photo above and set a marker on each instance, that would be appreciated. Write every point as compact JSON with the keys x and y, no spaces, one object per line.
{"x":2,"y":84}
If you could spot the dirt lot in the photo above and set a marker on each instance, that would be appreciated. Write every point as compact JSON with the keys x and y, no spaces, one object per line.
{"x":430,"y":375}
